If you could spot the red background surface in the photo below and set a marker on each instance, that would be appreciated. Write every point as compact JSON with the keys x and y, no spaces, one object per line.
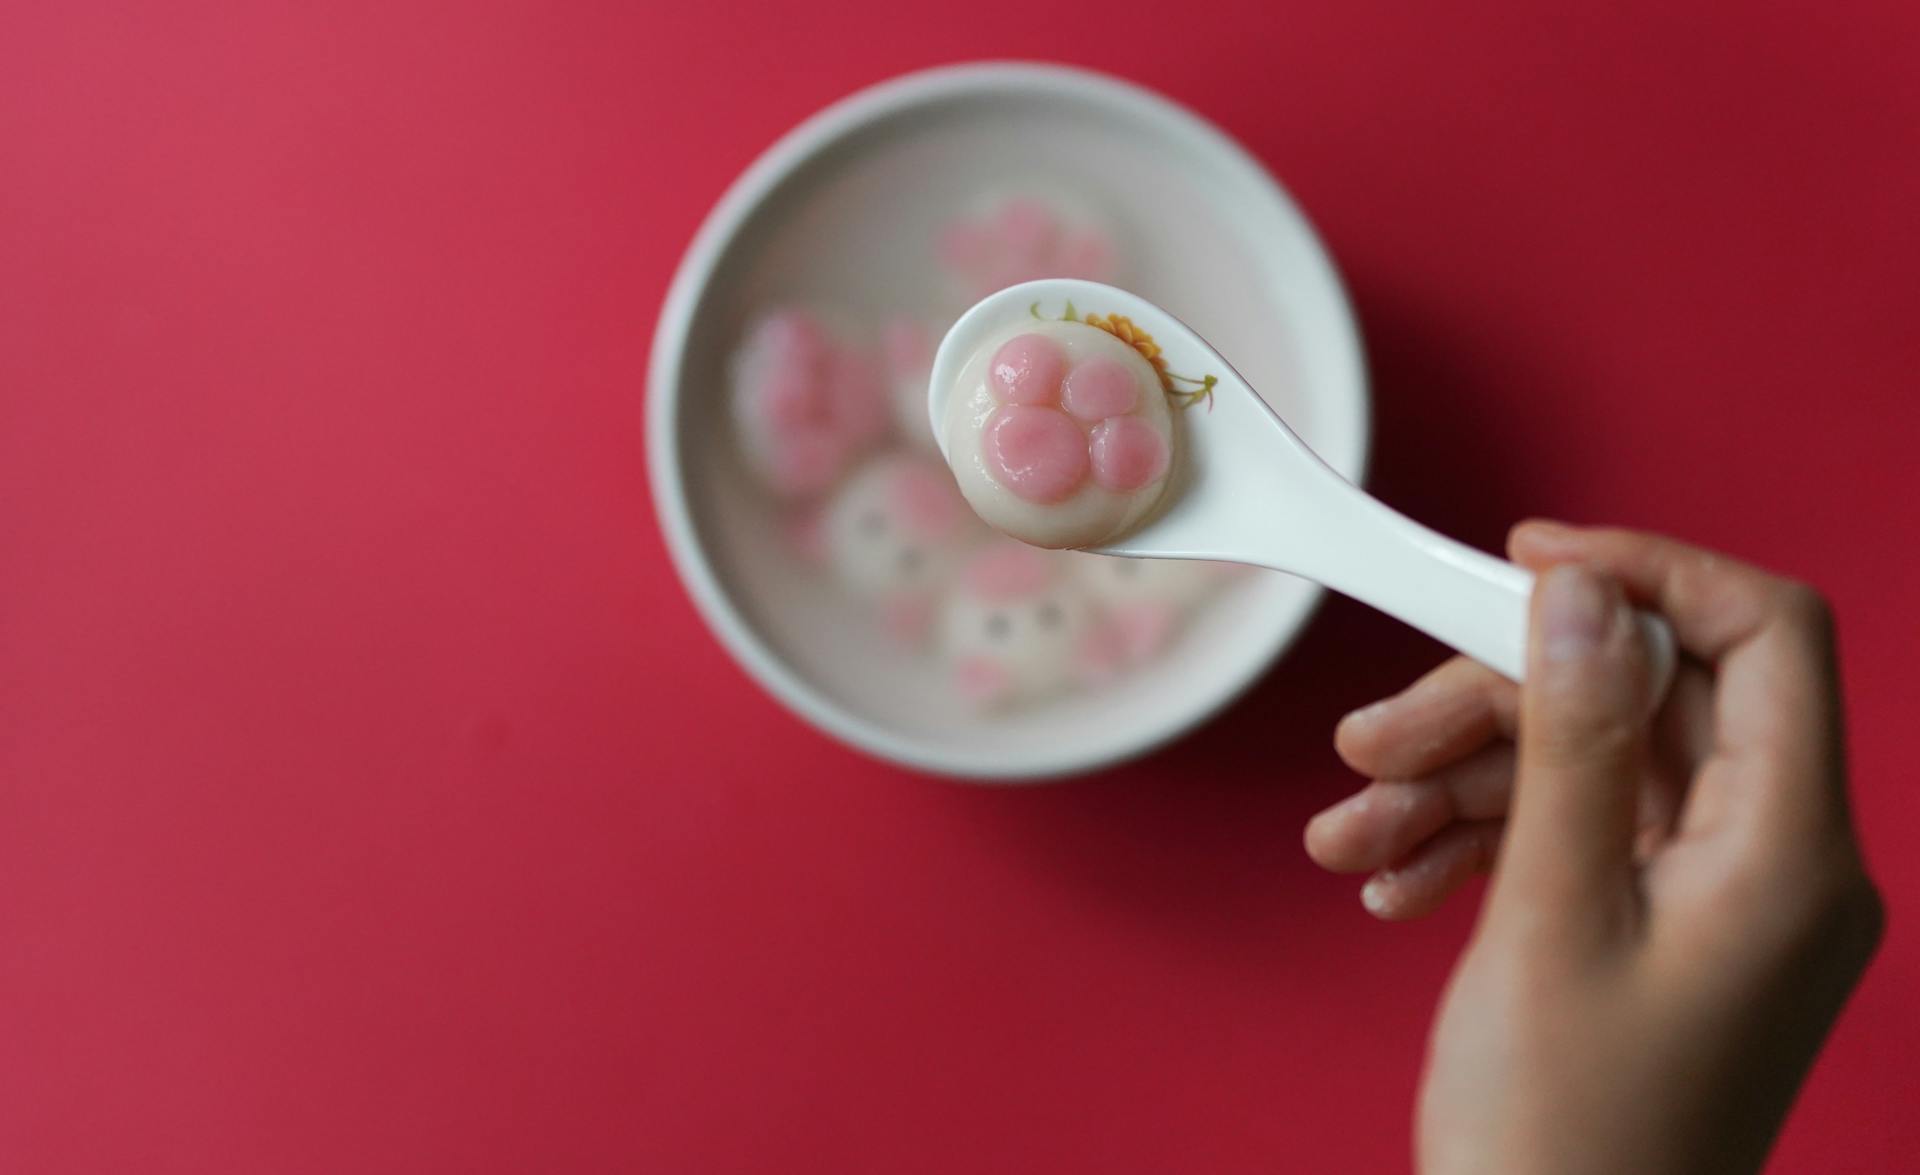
{"x":372,"y":800}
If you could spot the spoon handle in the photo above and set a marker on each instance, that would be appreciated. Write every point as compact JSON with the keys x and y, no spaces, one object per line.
{"x":1464,"y":597}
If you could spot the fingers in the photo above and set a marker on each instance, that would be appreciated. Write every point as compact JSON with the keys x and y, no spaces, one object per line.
{"x":1416,"y":886}
{"x":1451,"y":712}
{"x":1384,"y":822}
{"x":1584,"y":734}
{"x":1778,"y":706}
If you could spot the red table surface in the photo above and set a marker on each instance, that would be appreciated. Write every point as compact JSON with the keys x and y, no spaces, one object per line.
{"x":371,"y":798}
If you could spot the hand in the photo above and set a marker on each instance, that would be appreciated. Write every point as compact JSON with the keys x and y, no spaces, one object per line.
{"x":1679,"y":909}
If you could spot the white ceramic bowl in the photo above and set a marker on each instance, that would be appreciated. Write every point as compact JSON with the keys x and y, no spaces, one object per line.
{"x":842,"y":210}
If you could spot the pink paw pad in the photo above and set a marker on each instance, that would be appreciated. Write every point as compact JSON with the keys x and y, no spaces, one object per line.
{"x":1020,"y":239}
{"x":1027,"y":369}
{"x":1100,"y":388}
{"x":1127,"y":454}
{"x":1055,"y":426}
{"x":1038,"y":453}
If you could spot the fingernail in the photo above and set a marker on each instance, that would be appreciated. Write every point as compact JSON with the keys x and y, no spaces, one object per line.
{"x":1574,"y":612}
{"x":1373,"y":895}
{"x":1544,"y":531}
{"x":1359,"y":801}
{"x":1329,"y":817}
{"x":1362,"y":718}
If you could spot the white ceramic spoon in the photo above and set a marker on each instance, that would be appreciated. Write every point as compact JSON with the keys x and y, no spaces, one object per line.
{"x":1248,"y":490}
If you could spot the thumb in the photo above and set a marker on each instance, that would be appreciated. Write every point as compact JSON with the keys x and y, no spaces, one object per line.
{"x":1582,"y":744}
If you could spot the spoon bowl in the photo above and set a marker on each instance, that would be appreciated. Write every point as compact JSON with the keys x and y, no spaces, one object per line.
{"x":1246,"y":489}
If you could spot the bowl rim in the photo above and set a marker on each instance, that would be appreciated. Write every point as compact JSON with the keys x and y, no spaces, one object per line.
{"x":666,"y":477}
